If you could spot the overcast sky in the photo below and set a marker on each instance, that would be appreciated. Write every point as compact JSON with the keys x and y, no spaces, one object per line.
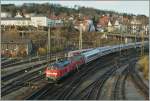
{"x":134,"y":7}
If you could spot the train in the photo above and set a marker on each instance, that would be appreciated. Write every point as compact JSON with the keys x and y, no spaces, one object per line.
{"x":77,"y":52}
{"x":60,"y":69}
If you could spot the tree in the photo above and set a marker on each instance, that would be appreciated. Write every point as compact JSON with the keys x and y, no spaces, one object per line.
{"x":22,"y":51}
{"x":95,"y":21}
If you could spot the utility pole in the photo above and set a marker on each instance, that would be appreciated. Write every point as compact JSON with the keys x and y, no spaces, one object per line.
{"x":99,"y":41}
{"x":80,"y":36}
{"x":142,"y":48}
{"x":49,"y":42}
{"x":121,"y":43}
{"x":135,"y":36}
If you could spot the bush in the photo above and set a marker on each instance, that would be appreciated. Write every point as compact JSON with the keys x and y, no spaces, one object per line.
{"x":42,"y":51}
{"x":143,"y":63}
{"x":22,"y":52}
{"x":14,"y":54}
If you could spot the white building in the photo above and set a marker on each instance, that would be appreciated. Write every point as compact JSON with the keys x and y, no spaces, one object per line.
{"x":16,"y":21}
{"x":117,"y":25}
{"x":39,"y":21}
{"x":29,"y":15}
{"x":145,"y":29}
{"x":5,"y":15}
{"x":33,"y":21}
{"x":109,"y":24}
{"x":110,"y":27}
{"x":18,"y":15}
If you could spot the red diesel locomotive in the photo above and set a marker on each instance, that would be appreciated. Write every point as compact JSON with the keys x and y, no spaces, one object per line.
{"x":60,"y":69}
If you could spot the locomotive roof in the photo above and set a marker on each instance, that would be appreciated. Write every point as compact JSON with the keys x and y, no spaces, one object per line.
{"x":91,"y":52}
{"x":103,"y":48}
{"x":81,"y":50}
{"x":61,"y":63}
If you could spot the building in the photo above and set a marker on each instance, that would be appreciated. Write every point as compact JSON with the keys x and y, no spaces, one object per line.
{"x":146,"y":29}
{"x":5,"y":15}
{"x":86,"y":24}
{"x":110,"y":26}
{"x":14,"y":46}
{"x":117,"y":25}
{"x":37,"y":20}
{"x":29,"y":15}
{"x":55,"y":21}
{"x":135,"y":26}
{"x":16,"y":21}
{"x":102,"y":23}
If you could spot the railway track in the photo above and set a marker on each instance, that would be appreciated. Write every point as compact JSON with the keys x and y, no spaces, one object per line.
{"x":33,"y":59}
{"x":27,"y":60}
{"x":11,"y":81}
{"x":63,"y":96}
{"x":3,"y":59}
{"x":93,"y":93}
{"x":66,"y":89}
{"x":118,"y":91}
{"x":19,"y":78}
{"x":70,"y":90}
{"x":20,"y":81}
{"x":21,"y":69}
{"x":55,"y":90}
{"x":8,"y":61}
{"x":64,"y":92}
{"x":138,"y":81}
{"x":119,"y":86}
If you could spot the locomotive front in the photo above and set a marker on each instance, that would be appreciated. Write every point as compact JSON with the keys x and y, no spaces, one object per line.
{"x":52,"y":72}
{"x":57,"y":70}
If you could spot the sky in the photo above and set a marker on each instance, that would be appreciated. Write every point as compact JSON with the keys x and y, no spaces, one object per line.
{"x":131,"y":7}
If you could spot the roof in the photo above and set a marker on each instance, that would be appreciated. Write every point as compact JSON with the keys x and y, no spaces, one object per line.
{"x":135,"y":22}
{"x":55,"y":17}
{"x":39,"y":15}
{"x":116,"y":23}
{"x":103,"y":21}
{"x":86,"y":54}
{"x":8,"y":18}
{"x":102,"y":48}
{"x":109,"y":23}
{"x":61,"y":64}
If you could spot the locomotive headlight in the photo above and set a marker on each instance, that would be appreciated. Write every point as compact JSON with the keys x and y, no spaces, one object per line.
{"x":51,"y":73}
